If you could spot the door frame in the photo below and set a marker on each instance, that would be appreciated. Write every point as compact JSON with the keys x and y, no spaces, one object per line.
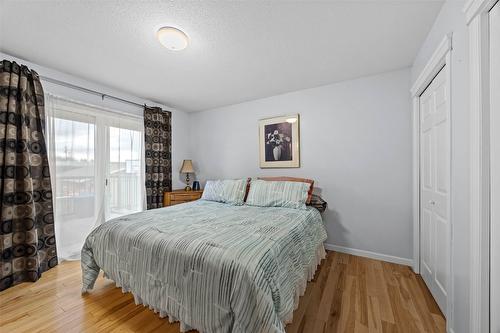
{"x":477,"y":20}
{"x":439,"y":59}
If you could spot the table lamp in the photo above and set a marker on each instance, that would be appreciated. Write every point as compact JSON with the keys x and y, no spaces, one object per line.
{"x":187,"y":168}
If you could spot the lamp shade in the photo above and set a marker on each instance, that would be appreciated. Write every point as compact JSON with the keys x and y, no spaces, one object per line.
{"x":187,"y":167}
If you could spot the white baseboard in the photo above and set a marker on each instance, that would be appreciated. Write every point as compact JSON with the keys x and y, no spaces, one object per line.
{"x":369,"y":254}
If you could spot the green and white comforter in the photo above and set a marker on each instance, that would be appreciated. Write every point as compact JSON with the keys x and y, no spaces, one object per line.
{"x":212,"y":266}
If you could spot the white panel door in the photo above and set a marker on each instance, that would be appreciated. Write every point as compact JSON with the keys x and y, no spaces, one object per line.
{"x":495,"y":167}
{"x":435,"y":188}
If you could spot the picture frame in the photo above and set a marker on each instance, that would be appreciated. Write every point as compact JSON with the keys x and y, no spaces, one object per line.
{"x":279,"y":142}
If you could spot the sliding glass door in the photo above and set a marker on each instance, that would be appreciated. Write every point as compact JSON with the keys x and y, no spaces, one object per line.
{"x":75,"y":179}
{"x":98,"y":158}
{"x":123,"y":182}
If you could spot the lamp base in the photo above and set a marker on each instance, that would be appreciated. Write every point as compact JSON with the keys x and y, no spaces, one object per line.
{"x":187,"y":188}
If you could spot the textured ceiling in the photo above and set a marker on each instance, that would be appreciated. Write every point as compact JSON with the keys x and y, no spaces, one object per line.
{"x":239,"y":51}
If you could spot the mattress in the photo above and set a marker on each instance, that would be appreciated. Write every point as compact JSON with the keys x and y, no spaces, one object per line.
{"x":214,"y":267}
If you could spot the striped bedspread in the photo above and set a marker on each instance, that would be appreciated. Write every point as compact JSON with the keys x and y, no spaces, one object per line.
{"x":212,"y":266}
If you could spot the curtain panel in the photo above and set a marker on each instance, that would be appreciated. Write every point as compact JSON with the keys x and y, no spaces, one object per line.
{"x":96,"y":156}
{"x":27,"y":238}
{"x":158,"y":151}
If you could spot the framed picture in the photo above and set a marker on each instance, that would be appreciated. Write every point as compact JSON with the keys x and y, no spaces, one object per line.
{"x":279,"y":142}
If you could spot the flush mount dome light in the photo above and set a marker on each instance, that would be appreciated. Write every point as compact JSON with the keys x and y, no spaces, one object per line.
{"x":172,"y":38}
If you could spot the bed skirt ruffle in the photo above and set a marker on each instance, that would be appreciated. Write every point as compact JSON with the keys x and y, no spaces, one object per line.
{"x":300,"y":289}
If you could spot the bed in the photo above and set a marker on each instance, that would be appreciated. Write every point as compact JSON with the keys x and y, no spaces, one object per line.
{"x":211,"y":266}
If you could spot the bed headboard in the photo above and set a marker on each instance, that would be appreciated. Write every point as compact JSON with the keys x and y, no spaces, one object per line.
{"x":294,"y":179}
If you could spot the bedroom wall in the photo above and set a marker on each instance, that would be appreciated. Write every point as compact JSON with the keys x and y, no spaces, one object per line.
{"x":355,"y":143}
{"x":180,"y":140}
{"x":451,"y":19}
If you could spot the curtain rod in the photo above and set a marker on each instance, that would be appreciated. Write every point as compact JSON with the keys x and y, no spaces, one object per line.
{"x":90,"y":91}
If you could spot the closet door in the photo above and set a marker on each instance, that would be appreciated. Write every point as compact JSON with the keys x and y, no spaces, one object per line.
{"x":434,"y":188}
{"x":495,"y":167}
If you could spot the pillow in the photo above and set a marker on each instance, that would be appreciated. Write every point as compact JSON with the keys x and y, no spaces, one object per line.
{"x":228,"y":191}
{"x":278,"y":194}
{"x":293,"y":179}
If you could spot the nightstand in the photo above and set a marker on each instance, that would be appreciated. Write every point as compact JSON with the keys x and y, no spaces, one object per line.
{"x":180,"y":196}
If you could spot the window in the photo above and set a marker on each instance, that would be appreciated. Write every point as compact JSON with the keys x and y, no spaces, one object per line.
{"x":97,"y":169}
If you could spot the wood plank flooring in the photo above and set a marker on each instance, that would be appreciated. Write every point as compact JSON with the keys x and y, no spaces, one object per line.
{"x":348,"y":294}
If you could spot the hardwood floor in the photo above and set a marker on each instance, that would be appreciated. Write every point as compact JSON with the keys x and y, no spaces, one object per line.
{"x":348,"y":294}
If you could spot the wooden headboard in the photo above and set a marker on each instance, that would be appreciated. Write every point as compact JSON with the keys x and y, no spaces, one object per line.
{"x":294,"y":179}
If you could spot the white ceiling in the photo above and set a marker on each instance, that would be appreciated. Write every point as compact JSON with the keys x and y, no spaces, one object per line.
{"x":239,"y":51}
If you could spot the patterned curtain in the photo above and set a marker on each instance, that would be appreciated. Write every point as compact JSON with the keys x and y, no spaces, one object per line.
{"x":27,"y":240}
{"x":158,"y":148}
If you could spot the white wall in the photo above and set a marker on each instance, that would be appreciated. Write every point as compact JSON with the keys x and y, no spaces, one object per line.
{"x":180,"y":119}
{"x":451,"y":19}
{"x":355,"y":141}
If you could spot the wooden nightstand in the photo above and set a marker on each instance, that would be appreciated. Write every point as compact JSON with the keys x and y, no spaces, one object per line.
{"x":180,"y":196}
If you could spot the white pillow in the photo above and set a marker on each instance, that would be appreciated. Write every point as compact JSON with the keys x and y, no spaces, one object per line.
{"x":228,"y":191}
{"x":278,"y":194}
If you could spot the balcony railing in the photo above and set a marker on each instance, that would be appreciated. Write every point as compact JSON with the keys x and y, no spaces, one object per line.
{"x":76,"y":196}
{"x":124,"y":192}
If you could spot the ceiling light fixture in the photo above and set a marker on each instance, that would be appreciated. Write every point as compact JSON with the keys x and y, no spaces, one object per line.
{"x":172,"y":38}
